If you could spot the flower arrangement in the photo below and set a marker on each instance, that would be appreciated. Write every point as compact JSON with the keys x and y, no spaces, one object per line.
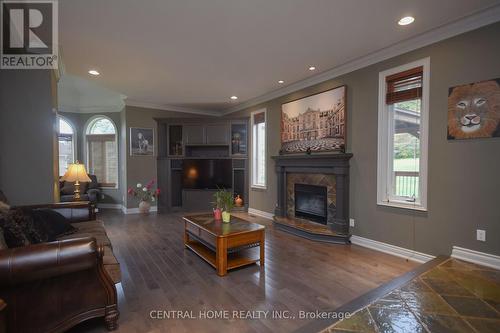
{"x":223,"y":204}
{"x":145,"y":193}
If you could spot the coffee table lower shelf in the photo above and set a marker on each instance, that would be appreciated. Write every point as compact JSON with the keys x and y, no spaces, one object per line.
{"x":234,"y":260}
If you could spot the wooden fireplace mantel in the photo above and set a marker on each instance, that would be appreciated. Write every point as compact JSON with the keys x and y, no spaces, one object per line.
{"x":331,"y":163}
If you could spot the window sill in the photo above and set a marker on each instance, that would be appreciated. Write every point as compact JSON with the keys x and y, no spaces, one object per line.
{"x":403,"y":205}
{"x":258,"y":188}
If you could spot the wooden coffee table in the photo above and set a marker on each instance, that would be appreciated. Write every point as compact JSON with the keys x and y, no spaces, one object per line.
{"x":224,"y":245}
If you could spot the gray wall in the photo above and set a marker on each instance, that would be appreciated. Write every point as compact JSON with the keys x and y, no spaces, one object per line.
{"x":79,"y":121}
{"x":463,"y":181}
{"x":26,"y":136}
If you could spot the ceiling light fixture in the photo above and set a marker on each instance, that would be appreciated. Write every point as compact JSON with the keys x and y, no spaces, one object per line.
{"x":281,"y":81}
{"x":406,"y":20}
{"x":94,"y":72}
{"x":234,"y":98}
{"x":312,"y":68}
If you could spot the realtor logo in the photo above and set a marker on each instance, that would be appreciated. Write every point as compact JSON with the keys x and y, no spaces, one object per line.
{"x":29,"y":38}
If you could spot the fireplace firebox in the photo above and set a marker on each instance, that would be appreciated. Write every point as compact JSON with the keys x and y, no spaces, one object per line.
{"x":311,"y":202}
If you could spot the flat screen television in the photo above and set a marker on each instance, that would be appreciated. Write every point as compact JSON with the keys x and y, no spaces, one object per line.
{"x":207,"y":174}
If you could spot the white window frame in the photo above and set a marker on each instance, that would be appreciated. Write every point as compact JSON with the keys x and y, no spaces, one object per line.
{"x":254,"y":151}
{"x":86,"y":131}
{"x":73,"y":138}
{"x":384,"y":157}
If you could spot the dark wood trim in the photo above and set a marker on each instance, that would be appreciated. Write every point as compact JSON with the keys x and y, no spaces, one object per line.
{"x":371,"y":296}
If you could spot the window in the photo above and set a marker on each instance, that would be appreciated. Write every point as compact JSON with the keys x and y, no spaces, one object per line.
{"x":66,"y":139}
{"x":259,"y":149}
{"x":402,"y":136}
{"x":102,"y":151}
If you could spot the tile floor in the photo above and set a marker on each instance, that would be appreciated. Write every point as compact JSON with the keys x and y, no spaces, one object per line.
{"x":454,"y":296}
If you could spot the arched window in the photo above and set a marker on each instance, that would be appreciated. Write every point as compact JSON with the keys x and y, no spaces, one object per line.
{"x":66,"y":139}
{"x":102,"y":151}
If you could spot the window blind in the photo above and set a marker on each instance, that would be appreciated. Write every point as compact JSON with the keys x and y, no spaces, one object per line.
{"x":404,"y":86}
{"x":259,"y":118}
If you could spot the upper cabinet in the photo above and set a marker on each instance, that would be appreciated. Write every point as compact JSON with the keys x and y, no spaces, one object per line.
{"x":217,"y":134}
{"x":204,"y":138}
{"x":194,"y":134}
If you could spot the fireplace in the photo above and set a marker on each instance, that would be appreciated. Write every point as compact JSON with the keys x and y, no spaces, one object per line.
{"x":311,"y":202}
{"x":313,"y":188}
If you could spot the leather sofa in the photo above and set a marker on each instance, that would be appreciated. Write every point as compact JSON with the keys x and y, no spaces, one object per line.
{"x":51,"y":287}
{"x":89,"y":191}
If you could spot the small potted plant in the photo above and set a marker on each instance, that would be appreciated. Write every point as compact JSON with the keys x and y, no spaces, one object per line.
{"x":146,"y":195}
{"x":228,"y":204}
{"x":218,"y":205}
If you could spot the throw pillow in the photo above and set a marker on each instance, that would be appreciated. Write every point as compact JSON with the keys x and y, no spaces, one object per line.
{"x":18,"y":229}
{"x":51,"y":224}
{"x":3,"y":245}
{"x":4,"y":207}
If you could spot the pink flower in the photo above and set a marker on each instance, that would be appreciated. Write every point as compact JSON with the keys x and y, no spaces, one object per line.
{"x":130,"y":190}
{"x":148,"y":186}
{"x":157,"y":192}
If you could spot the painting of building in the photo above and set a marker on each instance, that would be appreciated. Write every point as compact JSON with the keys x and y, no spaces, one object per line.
{"x":314,"y":123}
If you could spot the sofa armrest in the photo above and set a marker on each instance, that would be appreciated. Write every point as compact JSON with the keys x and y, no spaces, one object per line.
{"x":76,"y":211}
{"x":46,"y":260}
{"x":3,"y":316}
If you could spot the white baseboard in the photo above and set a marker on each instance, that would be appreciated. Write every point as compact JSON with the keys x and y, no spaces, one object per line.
{"x":476,"y":257}
{"x":260,"y":213}
{"x":109,"y":206}
{"x":135,"y":210}
{"x":391,"y":249}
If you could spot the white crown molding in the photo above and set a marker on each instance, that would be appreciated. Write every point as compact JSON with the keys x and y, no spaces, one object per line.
{"x":127,"y":211}
{"x":90,"y":109}
{"x":476,"y":257}
{"x":260,"y":213}
{"x":173,"y":108}
{"x":482,"y":18}
{"x":391,"y":249}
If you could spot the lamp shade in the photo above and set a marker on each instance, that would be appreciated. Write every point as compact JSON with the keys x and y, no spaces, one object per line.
{"x":76,"y":172}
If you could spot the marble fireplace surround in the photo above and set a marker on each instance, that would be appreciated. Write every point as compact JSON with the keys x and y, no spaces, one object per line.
{"x":330,"y":170}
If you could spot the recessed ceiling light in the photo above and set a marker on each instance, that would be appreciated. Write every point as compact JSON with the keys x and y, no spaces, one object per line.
{"x":281,"y":81}
{"x":406,"y":20}
{"x":234,"y":98}
{"x":94,"y":72}
{"x":312,"y":68}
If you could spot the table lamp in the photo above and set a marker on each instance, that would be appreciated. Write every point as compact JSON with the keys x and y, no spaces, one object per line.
{"x":76,"y":173}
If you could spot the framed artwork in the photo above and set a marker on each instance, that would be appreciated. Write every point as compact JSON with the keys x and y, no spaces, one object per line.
{"x":315,"y":123}
{"x":474,"y":110}
{"x":141,"y":141}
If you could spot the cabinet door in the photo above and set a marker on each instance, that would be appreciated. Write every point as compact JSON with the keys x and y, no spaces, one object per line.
{"x":217,"y":134}
{"x":194,"y":134}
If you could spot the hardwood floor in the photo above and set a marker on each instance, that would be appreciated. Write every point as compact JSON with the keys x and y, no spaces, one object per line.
{"x":159,"y":274}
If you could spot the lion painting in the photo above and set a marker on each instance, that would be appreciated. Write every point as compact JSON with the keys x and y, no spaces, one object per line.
{"x":474,"y":110}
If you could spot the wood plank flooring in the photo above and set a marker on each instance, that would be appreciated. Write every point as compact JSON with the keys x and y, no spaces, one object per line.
{"x":159,"y":274}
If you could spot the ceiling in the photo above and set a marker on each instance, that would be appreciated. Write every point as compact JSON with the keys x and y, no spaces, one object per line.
{"x":194,"y":54}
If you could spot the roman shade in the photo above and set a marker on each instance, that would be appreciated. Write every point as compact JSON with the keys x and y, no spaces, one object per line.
{"x":259,"y":118}
{"x":404,"y":86}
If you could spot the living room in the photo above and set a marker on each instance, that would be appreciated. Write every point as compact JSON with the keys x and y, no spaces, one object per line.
{"x":273,"y":166}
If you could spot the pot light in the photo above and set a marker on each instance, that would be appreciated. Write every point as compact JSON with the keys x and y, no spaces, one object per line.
{"x":281,"y":81}
{"x":234,"y":98}
{"x":94,"y":72}
{"x":406,"y":20}
{"x":312,"y":68}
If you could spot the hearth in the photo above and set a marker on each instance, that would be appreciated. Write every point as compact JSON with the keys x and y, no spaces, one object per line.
{"x":311,"y":202}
